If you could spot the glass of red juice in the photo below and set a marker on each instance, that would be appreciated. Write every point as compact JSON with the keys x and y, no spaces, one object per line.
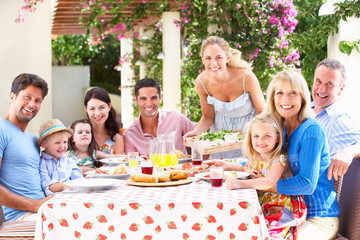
{"x":196,"y":153}
{"x":147,"y":166}
{"x":216,"y":176}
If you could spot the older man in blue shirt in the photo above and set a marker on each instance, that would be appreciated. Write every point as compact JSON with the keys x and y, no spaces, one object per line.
{"x":342,"y":133}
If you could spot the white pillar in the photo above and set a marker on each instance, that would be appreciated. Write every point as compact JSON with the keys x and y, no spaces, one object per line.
{"x":145,"y":33}
{"x":25,"y":48}
{"x":127,"y":87}
{"x":171,"y":62}
{"x":348,"y":31}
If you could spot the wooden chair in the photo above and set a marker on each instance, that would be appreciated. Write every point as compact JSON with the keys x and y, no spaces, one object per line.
{"x":348,"y":193}
{"x":21,"y":230}
{"x":122,"y":130}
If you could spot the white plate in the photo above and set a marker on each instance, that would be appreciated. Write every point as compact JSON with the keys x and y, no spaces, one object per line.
{"x":92,"y":184}
{"x":240,"y":175}
{"x":93,"y":174}
{"x":114,"y":161}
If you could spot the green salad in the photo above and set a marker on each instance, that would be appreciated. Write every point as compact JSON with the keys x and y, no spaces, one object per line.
{"x":219,"y":135}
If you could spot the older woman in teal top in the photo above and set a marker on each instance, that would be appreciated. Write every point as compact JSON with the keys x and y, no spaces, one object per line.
{"x":288,"y":97}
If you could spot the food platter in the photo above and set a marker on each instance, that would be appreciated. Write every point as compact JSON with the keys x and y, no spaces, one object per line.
{"x":217,"y":148}
{"x":94,"y":174}
{"x":160,"y":184}
{"x":228,"y":140}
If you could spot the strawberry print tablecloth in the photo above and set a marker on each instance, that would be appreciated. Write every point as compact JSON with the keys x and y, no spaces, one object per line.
{"x":191,"y":211}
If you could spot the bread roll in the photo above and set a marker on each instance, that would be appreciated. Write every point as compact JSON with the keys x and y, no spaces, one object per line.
{"x":232,"y":174}
{"x":144,"y":178}
{"x":121,"y":169}
{"x":162,"y":176}
{"x":178,"y":174}
{"x":179,"y":154}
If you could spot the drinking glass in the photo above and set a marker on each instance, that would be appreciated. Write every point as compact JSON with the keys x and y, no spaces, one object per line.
{"x":216,"y":176}
{"x":133,"y":159}
{"x":196,"y":153}
{"x":154,"y":151}
{"x":146,"y":166}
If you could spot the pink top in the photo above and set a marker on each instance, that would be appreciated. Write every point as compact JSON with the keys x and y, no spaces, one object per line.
{"x":138,"y":141}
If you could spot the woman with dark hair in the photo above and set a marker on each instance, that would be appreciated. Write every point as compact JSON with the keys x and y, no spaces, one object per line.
{"x":103,"y":120}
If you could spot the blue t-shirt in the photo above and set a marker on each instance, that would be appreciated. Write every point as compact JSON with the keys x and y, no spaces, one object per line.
{"x":309,"y":161}
{"x":19,"y":170}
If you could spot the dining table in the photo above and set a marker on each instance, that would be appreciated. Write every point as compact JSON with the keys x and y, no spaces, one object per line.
{"x":188,"y":211}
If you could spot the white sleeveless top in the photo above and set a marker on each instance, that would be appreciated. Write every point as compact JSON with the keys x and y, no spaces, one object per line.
{"x":231,"y":115}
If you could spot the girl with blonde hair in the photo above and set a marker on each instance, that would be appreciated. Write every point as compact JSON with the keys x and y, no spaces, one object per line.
{"x":230,"y":94}
{"x":263,"y":146}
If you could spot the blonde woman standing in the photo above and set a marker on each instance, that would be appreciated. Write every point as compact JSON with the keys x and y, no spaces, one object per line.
{"x":230,"y":94}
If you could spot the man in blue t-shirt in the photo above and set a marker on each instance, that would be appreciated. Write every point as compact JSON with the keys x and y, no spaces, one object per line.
{"x":20,"y":186}
{"x":342,"y":133}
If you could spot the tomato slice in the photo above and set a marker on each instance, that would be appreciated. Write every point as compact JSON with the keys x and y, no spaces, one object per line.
{"x":187,"y":166}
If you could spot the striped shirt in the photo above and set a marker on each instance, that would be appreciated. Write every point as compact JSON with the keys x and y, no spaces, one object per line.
{"x":340,"y":130}
{"x":309,"y":161}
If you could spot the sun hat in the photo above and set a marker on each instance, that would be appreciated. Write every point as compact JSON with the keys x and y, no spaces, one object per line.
{"x":52,"y":126}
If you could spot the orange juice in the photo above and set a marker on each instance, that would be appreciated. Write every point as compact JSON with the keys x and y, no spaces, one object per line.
{"x":154,"y":158}
{"x":164,"y":160}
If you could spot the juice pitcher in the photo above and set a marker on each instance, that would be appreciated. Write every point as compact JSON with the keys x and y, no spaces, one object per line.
{"x":162,"y":150}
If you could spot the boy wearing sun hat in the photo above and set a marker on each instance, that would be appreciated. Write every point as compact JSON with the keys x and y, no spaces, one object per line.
{"x":55,"y":168}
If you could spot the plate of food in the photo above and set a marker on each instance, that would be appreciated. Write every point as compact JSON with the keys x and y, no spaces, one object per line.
{"x":118,"y":172}
{"x":160,"y":179}
{"x":183,"y":158}
{"x":92,"y":184}
{"x":114,"y":161}
{"x":234,"y":174}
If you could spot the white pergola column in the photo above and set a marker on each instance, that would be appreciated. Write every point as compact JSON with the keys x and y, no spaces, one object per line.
{"x":26,"y":48}
{"x":171,"y":62}
{"x":127,"y":96}
{"x":145,"y":33}
{"x":348,"y":31}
